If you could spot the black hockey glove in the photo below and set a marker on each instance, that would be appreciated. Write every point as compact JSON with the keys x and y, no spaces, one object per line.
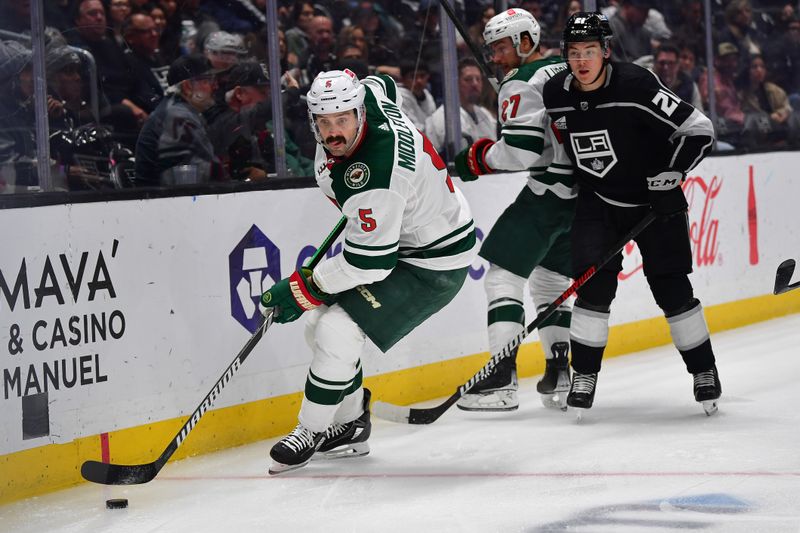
{"x":666,"y":196}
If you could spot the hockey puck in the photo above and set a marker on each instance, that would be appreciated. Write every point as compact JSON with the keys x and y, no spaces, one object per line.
{"x":117,"y":503}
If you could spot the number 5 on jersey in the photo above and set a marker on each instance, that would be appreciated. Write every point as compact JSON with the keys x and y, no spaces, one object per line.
{"x":367,"y":222}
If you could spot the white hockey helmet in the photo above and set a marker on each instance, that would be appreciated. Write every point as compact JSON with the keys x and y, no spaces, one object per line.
{"x":513,"y":23}
{"x":333,"y":92}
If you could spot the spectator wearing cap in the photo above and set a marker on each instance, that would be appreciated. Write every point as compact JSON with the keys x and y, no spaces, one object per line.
{"x":631,"y":39}
{"x":666,"y":67}
{"x":240,"y":129}
{"x":418,"y":102}
{"x":65,"y":84}
{"x":173,"y":146}
{"x":224,"y":49}
{"x":729,"y":108}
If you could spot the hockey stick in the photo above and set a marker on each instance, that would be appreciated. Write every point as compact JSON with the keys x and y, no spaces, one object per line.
{"x":412,"y":415}
{"x":783,"y":276}
{"x":490,"y":75}
{"x":115,"y":474}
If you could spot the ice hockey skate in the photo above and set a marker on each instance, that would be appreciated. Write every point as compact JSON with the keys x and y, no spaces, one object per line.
{"x":348,"y":439}
{"x":707,"y":389}
{"x":295,"y":450}
{"x":497,"y":392}
{"x":581,"y":394}
{"x":555,"y":383}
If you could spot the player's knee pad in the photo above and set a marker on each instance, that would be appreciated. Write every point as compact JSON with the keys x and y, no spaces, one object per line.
{"x":673,"y":293}
{"x":505,"y":312}
{"x":546,"y":286}
{"x":589,"y":324}
{"x":688,"y":326}
{"x":338,"y":342}
{"x":600,"y":289}
{"x":504,"y":293}
{"x":502,"y":285}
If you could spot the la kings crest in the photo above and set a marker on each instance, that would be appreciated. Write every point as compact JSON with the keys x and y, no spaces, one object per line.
{"x":593,"y":152}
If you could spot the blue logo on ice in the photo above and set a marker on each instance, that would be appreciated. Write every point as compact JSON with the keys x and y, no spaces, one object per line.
{"x":254,"y":266}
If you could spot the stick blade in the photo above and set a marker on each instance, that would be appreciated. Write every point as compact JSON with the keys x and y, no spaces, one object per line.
{"x":111,"y":474}
{"x":391,"y":412}
{"x":408,"y":415}
{"x":783,"y":276}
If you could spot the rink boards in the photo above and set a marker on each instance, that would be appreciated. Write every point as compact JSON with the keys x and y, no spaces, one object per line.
{"x":117,"y":318}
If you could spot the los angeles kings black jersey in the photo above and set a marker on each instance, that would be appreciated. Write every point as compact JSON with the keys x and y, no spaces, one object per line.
{"x":630,"y":128}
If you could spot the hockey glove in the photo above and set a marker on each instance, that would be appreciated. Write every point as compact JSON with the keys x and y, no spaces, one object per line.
{"x":293,"y":296}
{"x":666,"y":196}
{"x":471,"y":162}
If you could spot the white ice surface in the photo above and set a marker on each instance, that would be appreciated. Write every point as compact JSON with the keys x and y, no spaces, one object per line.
{"x":644,"y":458}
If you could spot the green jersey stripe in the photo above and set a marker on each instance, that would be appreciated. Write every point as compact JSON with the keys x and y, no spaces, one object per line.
{"x":440,"y":240}
{"x":525,"y":128}
{"x":329,"y":383}
{"x":351,"y":244}
{"x":532,"y":144}
{"x":366,"y":262}
{"x":462,"y":245}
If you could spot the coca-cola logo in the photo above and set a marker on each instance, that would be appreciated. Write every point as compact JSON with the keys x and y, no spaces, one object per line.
{"x":703,"y":232}
{"x":703,"y":229}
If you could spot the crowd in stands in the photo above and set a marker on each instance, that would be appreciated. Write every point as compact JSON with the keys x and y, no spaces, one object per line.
{"x":182,"y":89}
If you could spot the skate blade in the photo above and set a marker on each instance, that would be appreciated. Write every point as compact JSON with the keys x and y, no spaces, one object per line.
{"x":579,"y":413}
{"x":343,"y":452}
{"x":277,"y":468}
{"x":555,"y":400}
{"x":493,"y":402}
{"x":710,"y":407}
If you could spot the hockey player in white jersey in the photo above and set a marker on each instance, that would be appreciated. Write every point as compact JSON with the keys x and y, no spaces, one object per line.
{"x":531,"y":237}
{"x":408,"y":242}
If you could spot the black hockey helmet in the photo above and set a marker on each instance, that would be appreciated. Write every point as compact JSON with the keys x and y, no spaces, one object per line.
{"x":586,"y":27}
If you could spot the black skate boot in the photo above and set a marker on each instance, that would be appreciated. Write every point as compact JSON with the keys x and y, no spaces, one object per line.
{"x":555,"y":383}
{"x":295,"y":450}
{"x":496,"y":392}
{"x":348,"y":439}
{"x":581,"y":395}
{"x":707,"y":389}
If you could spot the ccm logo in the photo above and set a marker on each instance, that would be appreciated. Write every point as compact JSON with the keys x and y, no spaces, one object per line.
{"x":664,"y":182}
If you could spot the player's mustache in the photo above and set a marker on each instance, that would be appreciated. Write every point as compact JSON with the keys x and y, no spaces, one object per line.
{"x":337,"y":138}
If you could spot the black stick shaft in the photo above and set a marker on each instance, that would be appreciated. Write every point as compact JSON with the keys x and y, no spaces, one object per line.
{"x":114,"y":474}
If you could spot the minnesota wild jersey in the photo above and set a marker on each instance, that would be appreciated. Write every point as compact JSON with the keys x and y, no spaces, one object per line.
{"x":527,"y":141}
{"x":399,"y":200}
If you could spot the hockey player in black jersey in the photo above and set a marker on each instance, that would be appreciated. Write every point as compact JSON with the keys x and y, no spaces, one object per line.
{"x":632,"y":141}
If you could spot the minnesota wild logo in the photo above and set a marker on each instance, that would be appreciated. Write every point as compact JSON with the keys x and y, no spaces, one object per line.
{"x":356,"y":175}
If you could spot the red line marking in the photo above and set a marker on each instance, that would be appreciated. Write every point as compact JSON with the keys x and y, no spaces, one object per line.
{"x":104,"y":450}
{"x":482,"y":475}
